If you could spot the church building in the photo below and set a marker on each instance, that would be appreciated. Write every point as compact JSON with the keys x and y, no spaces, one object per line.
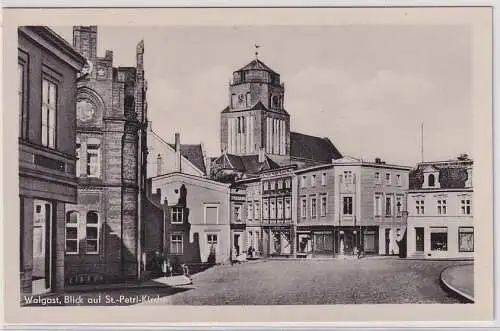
{"x":105,"y":228}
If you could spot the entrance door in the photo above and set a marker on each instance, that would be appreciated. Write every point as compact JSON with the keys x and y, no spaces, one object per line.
{"x":387,"y":240}
{"x":236,"y":243}
{"x":419,"y":239}
{"x":213,"y":248}
{"x":41,"y":281}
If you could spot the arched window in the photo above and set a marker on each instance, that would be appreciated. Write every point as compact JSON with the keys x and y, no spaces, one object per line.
{"x":92,"y":232}
{"x":72,"y":232}
{"x":431,"y":180}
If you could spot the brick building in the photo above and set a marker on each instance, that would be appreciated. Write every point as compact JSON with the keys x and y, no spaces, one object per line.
{"x":440,"y":210}
{"x":47,"y":80}
{"x":105,"y":228}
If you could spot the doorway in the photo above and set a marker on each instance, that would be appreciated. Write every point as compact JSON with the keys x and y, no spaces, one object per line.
{"x":42,"y":233}
{"x":419,"y":239}
{"x":236,"y":244}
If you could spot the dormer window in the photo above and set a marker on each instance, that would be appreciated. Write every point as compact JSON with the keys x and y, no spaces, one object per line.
{"x":431,"y":180}
{"x":431,"y":177}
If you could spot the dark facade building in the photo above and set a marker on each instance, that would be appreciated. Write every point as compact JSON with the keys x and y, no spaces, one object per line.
{"x":47,"y":73}
{"x":106,"y":227}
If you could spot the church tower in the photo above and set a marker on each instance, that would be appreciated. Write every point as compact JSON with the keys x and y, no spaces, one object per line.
{"x":255,"y":118}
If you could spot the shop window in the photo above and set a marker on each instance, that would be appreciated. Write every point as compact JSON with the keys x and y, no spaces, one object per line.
{"x":439,"y":238}
{"x":466,"y":239}
{"x":92,"y":235}
{"x":72,"y":232}
{"x":176,"y":244}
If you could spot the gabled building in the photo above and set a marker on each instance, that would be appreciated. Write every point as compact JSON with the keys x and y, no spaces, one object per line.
{"x":440,"y":210}
{"x":165,"y":157}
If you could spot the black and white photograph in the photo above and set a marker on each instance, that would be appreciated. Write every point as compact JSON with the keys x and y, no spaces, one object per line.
{"x":247,"y":165}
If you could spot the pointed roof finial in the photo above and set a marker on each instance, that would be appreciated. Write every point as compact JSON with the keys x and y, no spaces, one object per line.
{"x":257,"y":51}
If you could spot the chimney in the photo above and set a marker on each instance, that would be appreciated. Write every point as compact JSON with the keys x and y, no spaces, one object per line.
{"x":159,"y":163}
{"x":262,"y":155}
{"x":378,"y":160}
{"x":178,"y":152}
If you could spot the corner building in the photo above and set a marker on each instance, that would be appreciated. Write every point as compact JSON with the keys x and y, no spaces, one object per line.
{"x":104,"y":240}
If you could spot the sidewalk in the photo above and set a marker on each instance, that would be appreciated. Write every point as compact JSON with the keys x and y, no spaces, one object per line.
{"x":459,"y":280}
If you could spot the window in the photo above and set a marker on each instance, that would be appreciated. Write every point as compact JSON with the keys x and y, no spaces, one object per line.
{"x":466,"y":239}
{"x":250,"y":210}
{"x":348,"y":177}
{"x":176,"y":244}
{"x":288,"y":207}
{"x":399,"y":182}
{"x":313,"y":180}
{"x":265,"y":209}
{"x":378,"y":205}
{"x":237,"y":213}
{"x":323,"y":179}
{"x":303,"y":182}
{"x":439,"y":238}
{"x":212,"y":239}
{"x":287,"y":183}
{"x":313,"y":207}
{"x":177,"y":215}
{"x":72,"y":232}
{"x":93,"y":160}
{"x":49,"y":110}
{"x":21,"y":95}
{"x":92,"y":237}
{"x":280,"y":208}
{"x":211,"y":214}
{"x":465,"y":206}
{"x":266,"y":186}
{"x":377,"y":177}
{"x":256,"y":210}
{"x":347,"y":206}
{"x":441,"y":207}
{"x":431,"y":180}
{"x":273,"y":185}
{"x":273,"y":208}
{"x":303,"y":207}
{"x":280,"y":184}
{"x":77,"y":164}
{"x":388,"y":205}
{"x":420,"y":207}
{"x":399,"y":206}
{"x":323,"y":206}
{"x":388,"y":179}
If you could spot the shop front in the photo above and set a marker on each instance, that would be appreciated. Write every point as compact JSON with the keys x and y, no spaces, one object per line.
{"x":279,"y":241}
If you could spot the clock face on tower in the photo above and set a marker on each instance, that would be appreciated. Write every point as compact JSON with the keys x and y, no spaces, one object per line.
{"x":85,"y":110}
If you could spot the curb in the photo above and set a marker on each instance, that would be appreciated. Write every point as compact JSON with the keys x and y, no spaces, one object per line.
{"x":453,"y":290}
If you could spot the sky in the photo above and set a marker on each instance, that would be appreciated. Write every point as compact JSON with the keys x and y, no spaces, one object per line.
{"x":367,"y":88}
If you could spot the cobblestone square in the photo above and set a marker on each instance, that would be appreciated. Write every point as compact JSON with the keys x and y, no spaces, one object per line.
{"x":301,"y":282}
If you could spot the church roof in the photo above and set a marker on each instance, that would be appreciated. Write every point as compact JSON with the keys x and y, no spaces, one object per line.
{"x":194,"y":154}
{"x":257,"y":64}
{"x":313,"y":148}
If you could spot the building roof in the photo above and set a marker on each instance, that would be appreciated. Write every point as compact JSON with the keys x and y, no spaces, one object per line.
{"x":194,"y":154}
{"x":312,"y":148}
{"x":248,"y":164}
{"x":452,"y":174}
{"x":257,"y":64}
